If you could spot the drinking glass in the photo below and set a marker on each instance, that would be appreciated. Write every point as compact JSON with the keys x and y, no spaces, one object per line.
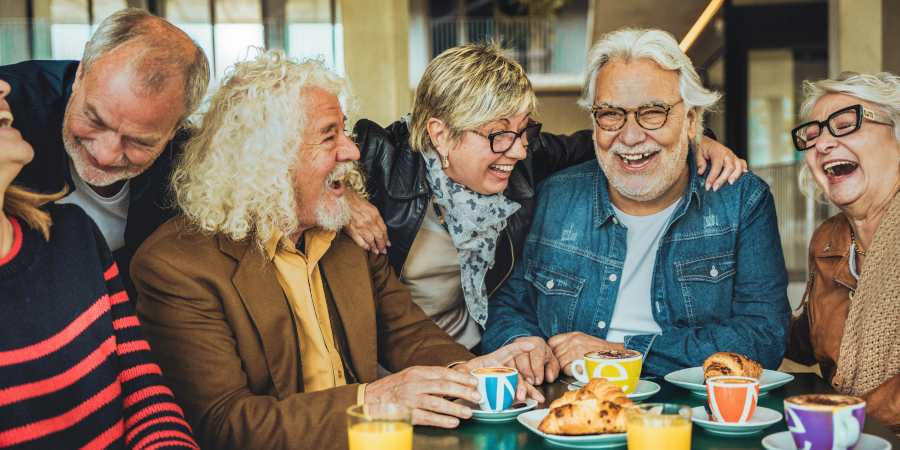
{"x":380,"y":426}
{"x":652,"y":426}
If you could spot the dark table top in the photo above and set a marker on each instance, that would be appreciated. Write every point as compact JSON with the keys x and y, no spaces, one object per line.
{"x":513,"y":435}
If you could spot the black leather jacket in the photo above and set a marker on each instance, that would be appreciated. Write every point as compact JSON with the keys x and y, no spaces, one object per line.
{"x":396,"y":182}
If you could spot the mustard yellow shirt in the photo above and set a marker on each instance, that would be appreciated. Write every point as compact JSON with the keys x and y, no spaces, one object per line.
{"x":299,"y":277}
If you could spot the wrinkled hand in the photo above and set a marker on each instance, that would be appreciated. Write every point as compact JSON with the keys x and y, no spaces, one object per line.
{"x":572,"y":346}
{"x":366,"y":226}
{"x":725,"y":165}
{"x":423,"y":389}
{"x":537,"y":365}
{"x":504,"y":357}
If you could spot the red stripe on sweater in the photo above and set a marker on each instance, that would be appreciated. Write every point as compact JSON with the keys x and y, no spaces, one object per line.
{"x":136,"y":371}
{"x":44,"y":427}
{"x":111,"y":273}
{"x":118,"y":297}
{"x":156,"y":436}
{"x":150,"y":423}
{"x":171,"y":444}
{"x":133,"y":346}
{"x":151,"y":409}
{"x":17,"y":241}
{"x":108,"y":437}
{"x":125,"y":322}
{"x":146,"y":393}
{"x":54,"y":343}
{"x":61,"y":381}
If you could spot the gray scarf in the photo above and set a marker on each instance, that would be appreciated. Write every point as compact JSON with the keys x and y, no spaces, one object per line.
{"x":474,"y":222}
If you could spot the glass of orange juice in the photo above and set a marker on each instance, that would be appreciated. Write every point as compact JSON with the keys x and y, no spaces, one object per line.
{"x":380,"y":426}
{"x":653,"y":426}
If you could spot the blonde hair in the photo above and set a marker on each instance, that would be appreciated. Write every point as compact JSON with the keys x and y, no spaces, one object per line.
{"x":25,"y":204}
{"x":234,"y":177}
{"x":633,"y":44}
{"x":881,"y":89}
{"x":467,"y":87}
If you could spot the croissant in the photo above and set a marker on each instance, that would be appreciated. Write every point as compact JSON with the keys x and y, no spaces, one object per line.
{"x":730,"y":363}
{"x":585,"y":416}
{"x":598,"y":387}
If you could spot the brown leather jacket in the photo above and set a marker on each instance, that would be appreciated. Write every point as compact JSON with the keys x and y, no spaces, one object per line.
{"x":815,"y":336}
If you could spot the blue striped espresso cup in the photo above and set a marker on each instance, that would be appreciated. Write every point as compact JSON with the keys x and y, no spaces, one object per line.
{"x":497,"y":386}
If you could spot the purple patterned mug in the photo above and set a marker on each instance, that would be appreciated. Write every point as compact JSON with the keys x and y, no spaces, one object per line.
{"x":825,"y":421}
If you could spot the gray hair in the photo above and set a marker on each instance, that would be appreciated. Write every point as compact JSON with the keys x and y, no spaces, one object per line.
{"x":157,"y":59}
{"x":633,"y":44}
{"x":467,"y":87}
{"x":881,"y":89}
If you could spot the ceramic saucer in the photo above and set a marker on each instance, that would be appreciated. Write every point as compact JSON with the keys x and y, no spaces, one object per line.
{"x":784,"y":441}
{"x":643,"y":391}
{"x":498,"y":416}
{"x":762,"y":418}
{"x":692,"y":380}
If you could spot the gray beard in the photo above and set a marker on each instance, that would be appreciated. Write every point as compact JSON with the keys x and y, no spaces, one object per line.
{"x":333,"y":220}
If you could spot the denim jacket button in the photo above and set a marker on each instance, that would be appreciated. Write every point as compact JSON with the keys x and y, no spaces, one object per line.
{"x":615,"y":221}
{"x":713,"y":272}
{"x":550,"y":284}
{"x":601,"y":324}
{"x":613,"y":278}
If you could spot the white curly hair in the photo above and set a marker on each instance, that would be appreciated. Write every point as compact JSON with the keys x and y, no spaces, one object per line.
{"x":234,"y":177}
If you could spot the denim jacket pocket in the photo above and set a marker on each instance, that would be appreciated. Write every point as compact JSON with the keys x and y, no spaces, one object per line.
{"x":552,"y":280}
{"x":713,"y":268}
{"x":706,"y":285}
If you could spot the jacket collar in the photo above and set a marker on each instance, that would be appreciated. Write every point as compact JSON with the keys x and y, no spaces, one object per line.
{"x":603,"y":209}
{"x":408,"y":173}
{"x":261,"y":293}
{"x":834,"y":255}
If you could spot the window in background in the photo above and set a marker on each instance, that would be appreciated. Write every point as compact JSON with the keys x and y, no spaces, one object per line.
{"x":314,"y":31}
{"x":70,"y":28}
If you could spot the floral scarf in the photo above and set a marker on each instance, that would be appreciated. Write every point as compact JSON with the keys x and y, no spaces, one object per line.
{"x":474,"y":222}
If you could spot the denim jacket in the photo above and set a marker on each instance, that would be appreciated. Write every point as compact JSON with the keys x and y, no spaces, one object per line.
{"x":719,"y":281}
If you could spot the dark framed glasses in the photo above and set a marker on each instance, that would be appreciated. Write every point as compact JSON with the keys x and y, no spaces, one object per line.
{"x":502,"y":141}
{"x":841,"y":123}
{"x":650,"y":117}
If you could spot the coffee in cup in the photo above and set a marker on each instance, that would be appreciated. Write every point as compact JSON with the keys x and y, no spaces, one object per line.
{"x":825,"y":421}
{"x":732,"y":399}
{"x":497,"y":386}
{"x":622,"y":367}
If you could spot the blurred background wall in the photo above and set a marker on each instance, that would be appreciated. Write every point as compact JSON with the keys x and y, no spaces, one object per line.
{"x":758,"y":52}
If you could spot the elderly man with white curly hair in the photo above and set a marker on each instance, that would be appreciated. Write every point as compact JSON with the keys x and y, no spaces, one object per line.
{"x":267,"y":321}
{"x":630,"y":251}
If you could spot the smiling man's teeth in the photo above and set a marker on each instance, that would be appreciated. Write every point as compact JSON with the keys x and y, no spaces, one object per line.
{"x":6,"y":119}
{"x":636,"y":156}
{"x":502,"y":168}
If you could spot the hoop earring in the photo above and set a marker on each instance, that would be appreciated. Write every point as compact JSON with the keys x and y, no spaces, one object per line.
{"x":445,"y":162}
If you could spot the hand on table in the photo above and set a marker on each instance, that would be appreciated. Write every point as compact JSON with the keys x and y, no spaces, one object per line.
{"x":725,"y":165}
{"x":366,"y":226}
{"x":423,"y":389}
{"x":504,"y":357}
{"x":570,"y":347}
{"x":537,"y":365}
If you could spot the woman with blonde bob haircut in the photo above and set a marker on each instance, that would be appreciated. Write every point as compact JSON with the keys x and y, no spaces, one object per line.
{"x":852,"y":303}
{"x":457,"y":176}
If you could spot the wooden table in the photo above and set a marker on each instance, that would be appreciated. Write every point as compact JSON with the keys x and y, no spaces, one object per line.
{"x":512,"y":435}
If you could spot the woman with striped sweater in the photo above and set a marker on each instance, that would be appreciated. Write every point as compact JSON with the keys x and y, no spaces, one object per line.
{"x":75,"y":370}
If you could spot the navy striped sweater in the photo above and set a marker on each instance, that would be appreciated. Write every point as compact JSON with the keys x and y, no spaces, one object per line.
{"x":75,"y":370}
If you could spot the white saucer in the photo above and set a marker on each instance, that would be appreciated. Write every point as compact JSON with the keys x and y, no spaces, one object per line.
{"x":692,"y":380}
{"x":497,"y":416}
{"x":643,"y":391}
{"x":532,"y":419}
{"x":784,"y":441}
{"x":762,"y":418}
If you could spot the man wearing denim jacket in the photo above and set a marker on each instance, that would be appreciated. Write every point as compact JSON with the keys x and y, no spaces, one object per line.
{"x":635,"y":252}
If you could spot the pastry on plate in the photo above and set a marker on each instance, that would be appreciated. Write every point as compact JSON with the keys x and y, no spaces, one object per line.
{"x":730,"y":363}
{"x":599,"y":407}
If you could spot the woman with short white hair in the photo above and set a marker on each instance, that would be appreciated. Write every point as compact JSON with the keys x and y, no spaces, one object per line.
{"x":850,"y":322}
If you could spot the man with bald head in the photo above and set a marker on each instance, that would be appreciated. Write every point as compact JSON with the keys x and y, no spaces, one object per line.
{"x":108,"y":127}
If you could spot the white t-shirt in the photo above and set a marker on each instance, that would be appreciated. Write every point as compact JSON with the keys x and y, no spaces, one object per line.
{"x":633,"y":314}
{"x":108,"y":213}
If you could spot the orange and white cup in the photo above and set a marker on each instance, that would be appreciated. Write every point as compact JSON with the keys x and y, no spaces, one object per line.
{"x":732,"y":399}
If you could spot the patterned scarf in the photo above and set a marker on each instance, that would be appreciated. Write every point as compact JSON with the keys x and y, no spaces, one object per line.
{"x":474,"y":222}
{"x":870,"y":346}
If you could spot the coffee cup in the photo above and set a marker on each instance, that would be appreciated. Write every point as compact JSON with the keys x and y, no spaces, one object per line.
{"x":825,"y":421}
{"x":497,"y":386}
{"x":732,"y":399}
{"x":622,"y":367}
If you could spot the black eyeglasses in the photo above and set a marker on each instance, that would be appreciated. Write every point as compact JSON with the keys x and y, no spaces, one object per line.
{"x":502,"y":141}
{"x":841,"y":123}
{"x":652,"y":116}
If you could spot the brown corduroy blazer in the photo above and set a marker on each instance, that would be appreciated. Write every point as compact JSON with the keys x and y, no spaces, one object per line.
{"x":222,"y":332}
